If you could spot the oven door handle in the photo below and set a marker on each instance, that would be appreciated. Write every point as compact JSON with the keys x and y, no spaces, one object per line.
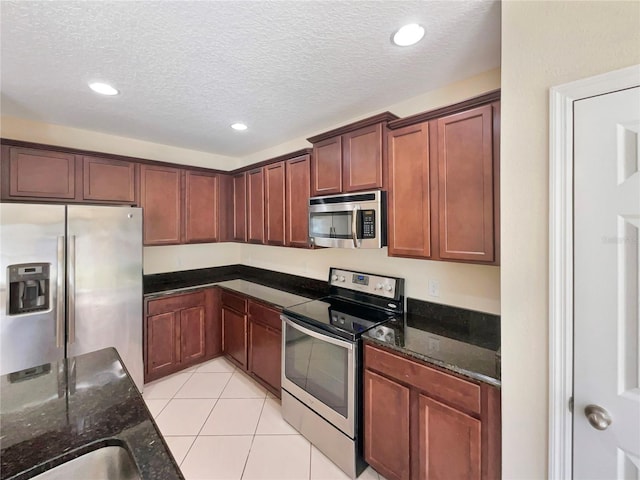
{"x":320,"y":336}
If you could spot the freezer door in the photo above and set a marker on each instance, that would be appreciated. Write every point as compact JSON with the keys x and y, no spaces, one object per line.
{"x":31,"y":234}
{"x":104,"y":284}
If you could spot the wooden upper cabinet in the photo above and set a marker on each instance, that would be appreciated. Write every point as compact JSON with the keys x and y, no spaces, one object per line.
{"x":40,"y":173}
{"x":297,"y":201}
{"x":449,"y":442}
{"x":326,"y":167}
{"x":466,"y":185}
{"x":160,"y":197}
{"x":362,"y":159}
{"x":107,"y":180}
{"x":240,"y":207}
{"x":274,"y":186}
{"x":409,"y":203}
{"x":255,"y":206}
{"x":201,"y":207}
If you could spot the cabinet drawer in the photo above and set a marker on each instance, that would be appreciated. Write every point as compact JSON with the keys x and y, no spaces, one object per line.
{"x":175,"y":302}
{"x":452,"y":390}
{"x":234,"y":301}
{"x":263,"y":314}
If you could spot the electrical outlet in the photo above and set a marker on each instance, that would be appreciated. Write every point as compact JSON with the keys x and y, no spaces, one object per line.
{"x":434,"y":288}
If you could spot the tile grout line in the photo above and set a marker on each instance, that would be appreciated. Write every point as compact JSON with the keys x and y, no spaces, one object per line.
{"x":253,"y":437}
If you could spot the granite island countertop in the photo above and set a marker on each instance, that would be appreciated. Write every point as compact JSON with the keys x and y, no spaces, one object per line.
{"x":462,"y":341}
{"x":56,"y":412}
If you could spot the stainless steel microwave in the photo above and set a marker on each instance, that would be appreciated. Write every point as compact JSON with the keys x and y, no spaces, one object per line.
{"x":353,"y":220}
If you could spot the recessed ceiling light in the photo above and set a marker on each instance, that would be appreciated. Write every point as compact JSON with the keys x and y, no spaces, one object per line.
{"x":103,"y":88}
{"x":239,"y":126}
{"x":408,"y":35}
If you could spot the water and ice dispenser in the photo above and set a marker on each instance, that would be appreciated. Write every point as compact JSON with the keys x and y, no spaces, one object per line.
{"x":29,"y":288}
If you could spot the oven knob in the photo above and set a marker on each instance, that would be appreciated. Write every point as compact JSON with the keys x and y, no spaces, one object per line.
{"x":388,"y":288}
{"x":342,"y":278}
{"x":379,"y":286}
{"x":342,"y":320}
{"x":334,"y":278}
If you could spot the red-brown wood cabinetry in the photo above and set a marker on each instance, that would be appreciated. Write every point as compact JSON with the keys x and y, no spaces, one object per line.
{"x":180,"y":330}
{"x":201,"y":207}
{"x":298,"y":172}
{"x":35,"y":174}
{"x":161,"y":199}
{"x":274,"y":191}
{"x":326,"y":167}
{"x":108,"y":180}
{"x":444,"y":186}
{"x":240,"y":207}
{"x":255,"y":206}
{"x":362,"y":159}
{"x":421,"y":422}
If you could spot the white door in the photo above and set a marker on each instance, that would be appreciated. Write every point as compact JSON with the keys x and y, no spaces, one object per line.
{"x":606,"y":286}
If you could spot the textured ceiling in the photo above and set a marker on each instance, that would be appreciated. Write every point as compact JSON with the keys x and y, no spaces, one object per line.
{"x":187,"y":70}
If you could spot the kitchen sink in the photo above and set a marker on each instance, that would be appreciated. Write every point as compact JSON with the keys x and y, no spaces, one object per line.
{"x":106,"y":463}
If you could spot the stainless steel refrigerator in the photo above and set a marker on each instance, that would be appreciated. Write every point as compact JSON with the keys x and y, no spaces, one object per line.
{"x":71,"y":283}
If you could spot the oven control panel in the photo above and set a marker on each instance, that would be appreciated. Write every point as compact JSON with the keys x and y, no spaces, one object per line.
{"x":363,"y":282}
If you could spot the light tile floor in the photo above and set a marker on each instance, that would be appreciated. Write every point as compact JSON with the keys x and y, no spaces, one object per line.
{"x":221,"y":425}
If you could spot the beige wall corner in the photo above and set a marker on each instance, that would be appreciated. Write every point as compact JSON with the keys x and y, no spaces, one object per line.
{"x":60,"y":135}
{"x":543,"y":44}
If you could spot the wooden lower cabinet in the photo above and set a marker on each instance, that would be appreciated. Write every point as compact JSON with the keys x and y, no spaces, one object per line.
{"x":449,"y":442}
{"x":386,"y":443}
{"x":421,"y":423}
{"x":234,"y":335}
{"x":179,"y":331}
{"x":252,"y":338}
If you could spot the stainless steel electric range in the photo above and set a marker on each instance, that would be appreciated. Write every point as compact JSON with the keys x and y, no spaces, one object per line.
{"x":322,"y":361}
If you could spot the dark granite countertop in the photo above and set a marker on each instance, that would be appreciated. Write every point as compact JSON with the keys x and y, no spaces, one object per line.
{"x":166,"y":283}
{"x":57,"y":412}
{"x":266,"y":294}
{"x":460,"y":340}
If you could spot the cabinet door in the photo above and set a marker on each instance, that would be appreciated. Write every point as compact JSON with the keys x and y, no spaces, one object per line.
{"x":213,"y":322}
{"x":255,"y":206}
{"x":298,"y":190}
{"x":234,"y":336}
{"x":107,"y":180}
{"x":160,"y":194}
{"x":386,"y":426}
{"x":362,"y":159}
{"x":274,"y":186}
{"x":466,"y":187}
{"x":326,"y":167}
{"x":163,"y":350}
{"x":449,"y":442}
{"x":240,"y":207}
{"x":265,"y":347}
{"x":201,"y":207}
{"x":41,"y":174}
{"x":192,"y":334}
{"x":409,"y":194}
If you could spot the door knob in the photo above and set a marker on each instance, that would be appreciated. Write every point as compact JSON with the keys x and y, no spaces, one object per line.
{"x":598,"y":417}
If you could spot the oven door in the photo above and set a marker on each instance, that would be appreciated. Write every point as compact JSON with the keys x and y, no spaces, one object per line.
{"x":319,"y":370}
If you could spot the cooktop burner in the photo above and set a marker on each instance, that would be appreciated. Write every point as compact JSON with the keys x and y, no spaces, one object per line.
{"x":358,"y":302}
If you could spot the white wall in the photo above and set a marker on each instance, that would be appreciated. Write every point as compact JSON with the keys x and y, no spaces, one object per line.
{"x":60,"y":135}
{"x":173,"y":258}
{"x":471,"y":286}
{"x":543,"y":44}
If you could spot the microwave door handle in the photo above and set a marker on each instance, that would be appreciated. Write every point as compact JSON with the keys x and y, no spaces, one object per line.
{"x":354,"y":226}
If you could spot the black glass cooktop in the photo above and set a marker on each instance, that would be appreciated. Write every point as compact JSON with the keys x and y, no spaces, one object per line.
{"x":342,"y":317}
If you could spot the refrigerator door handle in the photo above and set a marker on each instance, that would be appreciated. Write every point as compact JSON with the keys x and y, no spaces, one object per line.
{"x":71,"y":289}
{"x":60,"y":295}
